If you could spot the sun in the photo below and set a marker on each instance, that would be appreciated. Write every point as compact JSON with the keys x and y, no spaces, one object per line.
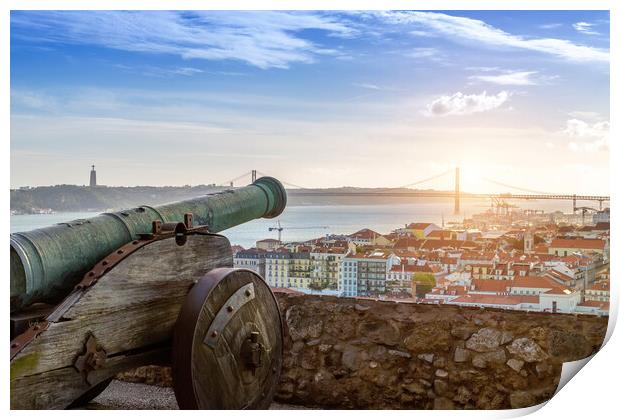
{"x":472,"y":178}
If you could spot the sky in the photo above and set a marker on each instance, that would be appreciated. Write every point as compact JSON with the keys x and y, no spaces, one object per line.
{"x":317,"y":99}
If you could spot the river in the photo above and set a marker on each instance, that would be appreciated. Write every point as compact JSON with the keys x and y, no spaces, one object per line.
{"x":307,"y":222}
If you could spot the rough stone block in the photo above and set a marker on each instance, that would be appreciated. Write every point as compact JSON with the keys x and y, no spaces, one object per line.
{"x":427,"y":357}
{"x":522,"y":399}
{"x":461,"y":355}
{"x":488,"y":339}
{"x":442,"y":403}
{"x":482,"y":360}
{"x":526,"y":349}
{"x":515,"y":364}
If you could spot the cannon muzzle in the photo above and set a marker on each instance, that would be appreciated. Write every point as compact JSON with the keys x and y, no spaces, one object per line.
{"x":46,"y":263}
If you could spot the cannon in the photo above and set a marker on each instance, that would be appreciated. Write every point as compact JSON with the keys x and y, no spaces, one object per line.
{"x":95,"y":297}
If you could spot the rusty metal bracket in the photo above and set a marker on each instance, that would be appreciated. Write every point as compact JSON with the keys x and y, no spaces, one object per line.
{"x":22,"y":340}
{"x":93,"y":358}
{"x":252,"y":352}
{"x":242,"y":295}
{"x":177,"y":230}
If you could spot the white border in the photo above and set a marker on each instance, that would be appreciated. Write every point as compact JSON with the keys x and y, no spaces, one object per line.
{"x":592,"y":394}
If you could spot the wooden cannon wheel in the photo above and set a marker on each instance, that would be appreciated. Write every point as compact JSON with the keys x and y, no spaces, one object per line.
{"x":227,"y":346}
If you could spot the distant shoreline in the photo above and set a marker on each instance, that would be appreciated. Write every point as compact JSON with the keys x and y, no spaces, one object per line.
{"x":74,"y":198}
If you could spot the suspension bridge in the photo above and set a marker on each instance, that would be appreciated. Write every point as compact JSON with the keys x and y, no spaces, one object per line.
{"x":294,"y":190}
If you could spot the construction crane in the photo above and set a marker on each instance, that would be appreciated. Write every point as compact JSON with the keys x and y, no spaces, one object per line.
{"x":584,"y":210}
{"x":279,"y":229}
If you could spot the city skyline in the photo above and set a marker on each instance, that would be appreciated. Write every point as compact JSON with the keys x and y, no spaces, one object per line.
{"x":376,"y":99}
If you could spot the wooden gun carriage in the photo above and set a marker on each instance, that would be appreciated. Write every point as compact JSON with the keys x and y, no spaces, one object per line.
{"x":162,"y":291}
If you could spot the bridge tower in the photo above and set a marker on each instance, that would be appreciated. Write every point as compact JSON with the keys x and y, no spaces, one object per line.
{"x":253,"y":175}
{"x":457,"y":191}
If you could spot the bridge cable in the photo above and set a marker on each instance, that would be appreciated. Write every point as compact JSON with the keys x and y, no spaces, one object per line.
{"x":382,"y":190}
{"x":237,"y":178}
{"x":421,"y":181}
{"x":290,"y":184}
{"x":426,"y":179}
{"x":516,"y":188}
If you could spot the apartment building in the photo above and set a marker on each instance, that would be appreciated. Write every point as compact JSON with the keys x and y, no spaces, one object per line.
{"x":599,"y":292}
{"x":300,"y":270}
{"x":251,"y":259}
{"x":277,"y":268}
{"x":326,"y":264}
{"x":366,"y":274}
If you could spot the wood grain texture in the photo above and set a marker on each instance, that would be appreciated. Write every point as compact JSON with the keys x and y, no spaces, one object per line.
{"x":221,"y":380}
{"x":131,"y":311}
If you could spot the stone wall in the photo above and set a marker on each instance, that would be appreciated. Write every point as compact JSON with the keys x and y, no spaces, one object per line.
{"x":348,"y":353}
{"x":360,"y":353}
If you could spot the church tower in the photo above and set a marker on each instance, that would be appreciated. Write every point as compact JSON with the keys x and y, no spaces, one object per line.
{"x":93,"y":177}
{"x":528,"y":242}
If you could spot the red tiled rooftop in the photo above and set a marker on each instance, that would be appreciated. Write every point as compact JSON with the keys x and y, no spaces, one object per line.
{"x":602,"y":286}
{"x":558,"y":290}
{"x":495,"y":299}
{"x":446,"y":243}
{"x":477,"y":256}
{"x":456,"y":290}
{"x":411,"y":268}
{"x":578,"y":243}
{"x":418,"y":226}
{"x":534,"y":282}
{"x":365,"y":234}
{"x":497,"y":286}
{"x":440,"y":234}
{"x":595,"y":304}
{"x":559,"y":275}
{"x":408,"y":243}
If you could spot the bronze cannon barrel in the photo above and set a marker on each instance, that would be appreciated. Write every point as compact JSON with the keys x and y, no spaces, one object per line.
{"x":46,"y":263}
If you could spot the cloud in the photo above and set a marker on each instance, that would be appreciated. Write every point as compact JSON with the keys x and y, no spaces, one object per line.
{"x":550,"y":26}
{"x":482,"y":68}
{"x":425,"y":54}
{"x":160,"y":71}
{"x":587,"y":136}
{"x":510,"y":77}
{"x":368,"y":86}
{"x":36,"y":102}
{"x":32,"y":100}
{"x":425,"y":34}
{"x":422,"y":52}
{"x":265,"y":39}
{"x":461,"y":104}
{"x":460,"y":28}
{"x":186,"y":71}
{"x":585,"y":115}
{"x":585,"y":28}
{"x":516,"y":78}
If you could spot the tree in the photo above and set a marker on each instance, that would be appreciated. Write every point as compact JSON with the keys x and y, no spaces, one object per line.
{"x":424,"y":283}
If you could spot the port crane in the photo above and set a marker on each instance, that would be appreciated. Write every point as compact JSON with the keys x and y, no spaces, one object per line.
{"x":584,"y":210}
{"x":502,"y":207}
